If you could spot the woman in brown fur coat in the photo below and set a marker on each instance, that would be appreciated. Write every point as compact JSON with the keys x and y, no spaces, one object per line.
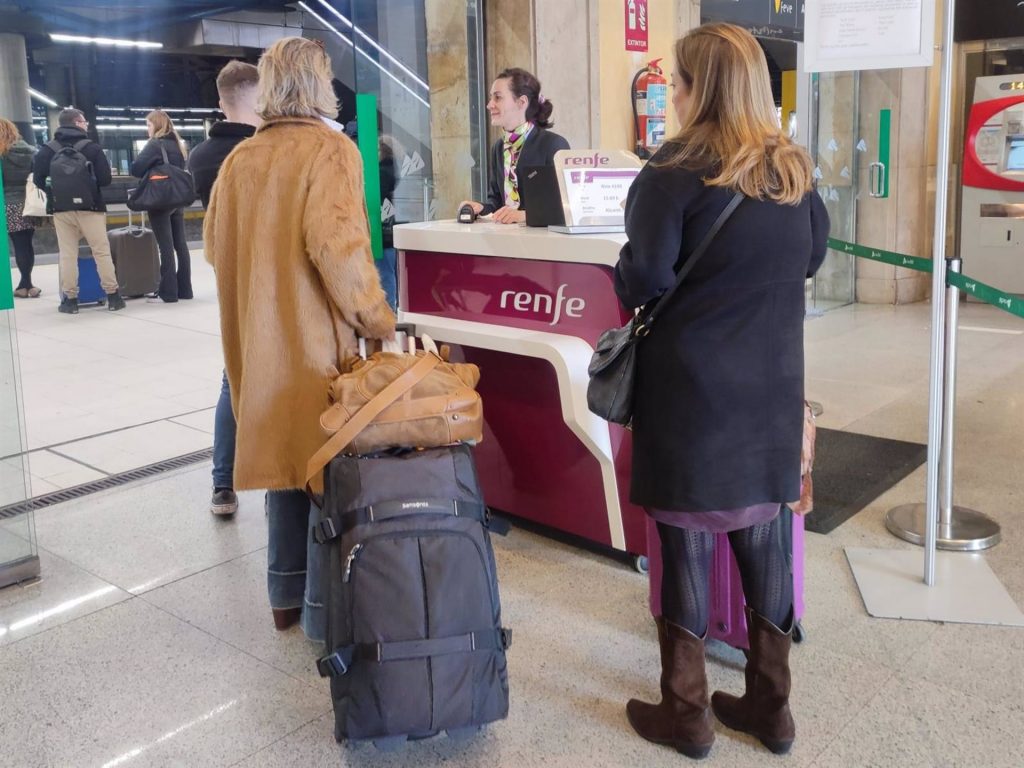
{"x":286,"y":232}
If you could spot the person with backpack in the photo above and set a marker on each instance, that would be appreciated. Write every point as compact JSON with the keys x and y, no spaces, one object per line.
{"x":237,"y":87}
{"x":165,"y":145}
{"x":77,"y":170}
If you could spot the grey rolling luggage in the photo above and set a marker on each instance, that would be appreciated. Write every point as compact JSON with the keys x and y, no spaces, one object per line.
{"x":136,"y":258}
{"x":413,"y":616}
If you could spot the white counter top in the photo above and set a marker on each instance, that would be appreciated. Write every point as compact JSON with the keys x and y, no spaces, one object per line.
{"x":508,"y":241}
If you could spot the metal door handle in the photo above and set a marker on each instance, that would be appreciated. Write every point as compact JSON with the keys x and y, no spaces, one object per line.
{"x":876,"y":179}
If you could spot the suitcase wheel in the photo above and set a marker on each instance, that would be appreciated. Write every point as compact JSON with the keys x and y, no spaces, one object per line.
{"x":798,"y":633}
{"x":463,"y":734}
{"x":641,"y":564}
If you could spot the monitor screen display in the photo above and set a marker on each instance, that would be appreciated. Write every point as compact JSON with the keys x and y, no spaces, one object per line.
{"x":1015,"y":154}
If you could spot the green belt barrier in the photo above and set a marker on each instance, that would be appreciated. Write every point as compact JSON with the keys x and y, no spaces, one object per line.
{"x":1005,"y":301}
{"x":886,"y":257}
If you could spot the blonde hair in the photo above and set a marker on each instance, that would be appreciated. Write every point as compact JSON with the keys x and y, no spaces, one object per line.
{"x":9,"y":135}
{"x":235,"y":78}
{"x":164,"y":126}
{"x":732,"y":125}
{"x":296,"y":80}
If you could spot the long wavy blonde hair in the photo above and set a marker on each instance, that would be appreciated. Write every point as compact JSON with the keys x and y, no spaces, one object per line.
{"x":296,"y":80}
{"x":732,"y":126}
{"x":164,"y":126}
{"x":9,"y":135}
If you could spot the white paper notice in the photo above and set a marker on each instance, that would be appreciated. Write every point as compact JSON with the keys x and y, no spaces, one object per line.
{"x":844,"y":35}
{"x":598,"y":195}
{"x":869,"y":28}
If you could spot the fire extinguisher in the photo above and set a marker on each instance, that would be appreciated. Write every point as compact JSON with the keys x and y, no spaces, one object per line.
{"x":650,"y":97}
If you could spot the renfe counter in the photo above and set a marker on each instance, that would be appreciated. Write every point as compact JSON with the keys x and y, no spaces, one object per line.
{"x":527,"y":306}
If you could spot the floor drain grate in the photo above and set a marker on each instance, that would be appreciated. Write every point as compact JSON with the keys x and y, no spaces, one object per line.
{"x":78,"y":491}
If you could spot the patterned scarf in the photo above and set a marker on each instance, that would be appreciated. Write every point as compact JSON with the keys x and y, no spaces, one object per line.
{"x":513,"y":145}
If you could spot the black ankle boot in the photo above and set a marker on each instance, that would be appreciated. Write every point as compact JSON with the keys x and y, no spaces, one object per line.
{"x":68,"y":306}
{"x":115,"y":301}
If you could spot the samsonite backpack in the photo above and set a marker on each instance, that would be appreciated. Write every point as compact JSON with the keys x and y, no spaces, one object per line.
{"x":72,"y":179}
{"x":413,"y":615}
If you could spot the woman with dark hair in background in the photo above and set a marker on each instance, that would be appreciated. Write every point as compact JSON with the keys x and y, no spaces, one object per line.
{"x":168,"y":225}
{"x":16,"y":156}
{"x":517,"y":107}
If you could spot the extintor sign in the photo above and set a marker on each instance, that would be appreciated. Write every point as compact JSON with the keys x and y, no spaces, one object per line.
{"x":636,"y":25}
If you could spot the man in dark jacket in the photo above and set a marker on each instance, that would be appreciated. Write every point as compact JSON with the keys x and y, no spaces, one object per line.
{"x":81,"y":213}
{"x":236,"y":86}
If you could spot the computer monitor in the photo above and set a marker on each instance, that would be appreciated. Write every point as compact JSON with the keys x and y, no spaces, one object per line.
{"x":540,"y":196}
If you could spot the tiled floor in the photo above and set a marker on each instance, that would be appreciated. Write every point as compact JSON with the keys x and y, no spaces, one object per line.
{"x":148,"y":641}
{"x":105,"y":392}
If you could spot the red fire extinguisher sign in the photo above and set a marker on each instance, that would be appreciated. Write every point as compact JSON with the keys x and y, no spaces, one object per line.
{"x":636,"y":25}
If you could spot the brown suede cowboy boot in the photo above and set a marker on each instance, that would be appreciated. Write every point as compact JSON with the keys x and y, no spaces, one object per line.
{"x":682,"y":719}
{"x":763,"y":710}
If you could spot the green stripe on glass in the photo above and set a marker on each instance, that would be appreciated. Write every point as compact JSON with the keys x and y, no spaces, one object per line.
{"x":366,"y":122}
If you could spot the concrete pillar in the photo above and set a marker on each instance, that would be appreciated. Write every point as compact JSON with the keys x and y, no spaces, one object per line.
{"x":15,"y":103}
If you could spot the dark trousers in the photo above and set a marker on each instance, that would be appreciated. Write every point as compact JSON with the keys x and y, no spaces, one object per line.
{"x":24,"y":255}
{"x":169,"y":229}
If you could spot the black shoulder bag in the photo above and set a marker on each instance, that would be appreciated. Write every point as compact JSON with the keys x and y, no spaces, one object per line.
{"x":612,"y":369}
{"x":164,"y":187}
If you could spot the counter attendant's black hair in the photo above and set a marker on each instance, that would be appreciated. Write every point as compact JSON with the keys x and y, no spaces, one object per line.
{"x":523,"y":83}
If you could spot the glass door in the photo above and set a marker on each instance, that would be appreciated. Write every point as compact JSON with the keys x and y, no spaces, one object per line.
{"x":19,"y":559}
{"x":853,"y":145}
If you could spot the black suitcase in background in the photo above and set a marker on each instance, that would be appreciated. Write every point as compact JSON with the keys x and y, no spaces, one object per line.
{"x":136,"y":258}
{"x":414,"y":631}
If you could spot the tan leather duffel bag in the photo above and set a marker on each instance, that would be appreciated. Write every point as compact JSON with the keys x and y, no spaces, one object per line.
{"x":392,"y":400}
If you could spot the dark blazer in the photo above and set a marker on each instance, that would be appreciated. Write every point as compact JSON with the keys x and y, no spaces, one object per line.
{"x":151,"y":155}
{"x":539,"y":149}
{"x":718,"y":406}
{"x":205,"y":160}
{"x":69,"y":136}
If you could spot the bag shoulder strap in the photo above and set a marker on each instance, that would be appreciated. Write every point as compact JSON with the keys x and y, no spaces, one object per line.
{"x":409,"y":379}
{"x":82,"y":144}
{"x":163,"y":151}
{"x":723,"y":217}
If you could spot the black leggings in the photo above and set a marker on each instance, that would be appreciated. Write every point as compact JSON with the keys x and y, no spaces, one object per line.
{"x":764,"y":571}
{"x":24,"y":255}
{"x":169,"y":230}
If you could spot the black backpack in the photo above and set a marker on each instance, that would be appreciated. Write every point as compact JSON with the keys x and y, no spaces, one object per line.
{"x":414,"y":632}
{"x":73,"y":184}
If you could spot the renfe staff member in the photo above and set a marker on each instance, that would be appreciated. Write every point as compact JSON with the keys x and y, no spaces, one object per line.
{"x":524,"y":115}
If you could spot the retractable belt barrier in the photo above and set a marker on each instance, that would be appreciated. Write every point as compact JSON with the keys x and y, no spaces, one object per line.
{"x":990,"y":295}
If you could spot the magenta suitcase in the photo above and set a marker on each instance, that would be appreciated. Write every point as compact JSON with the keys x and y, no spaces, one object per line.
{"x":726,"y":620}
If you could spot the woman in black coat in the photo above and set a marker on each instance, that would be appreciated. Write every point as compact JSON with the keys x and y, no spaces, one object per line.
{"x":168,"y":225}
{"x":718,"y":413}
{"x":524,"y":116}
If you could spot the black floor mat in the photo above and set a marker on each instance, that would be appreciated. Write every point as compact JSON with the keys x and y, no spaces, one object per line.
{"x":851,"y":471}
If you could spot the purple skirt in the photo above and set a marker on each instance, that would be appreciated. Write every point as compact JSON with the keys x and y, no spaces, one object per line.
{"x":718,"y":520}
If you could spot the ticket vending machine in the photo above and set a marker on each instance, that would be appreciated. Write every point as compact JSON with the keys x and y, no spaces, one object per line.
{"x":992,"y":214}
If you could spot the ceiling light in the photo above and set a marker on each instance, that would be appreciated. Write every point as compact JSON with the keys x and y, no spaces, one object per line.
{"x":61,"y":38}
{"x":41,"y":97}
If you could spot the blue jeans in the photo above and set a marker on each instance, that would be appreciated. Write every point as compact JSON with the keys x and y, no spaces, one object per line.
{"x":387,"y":266}
{"x":224,"y":440}
{"x":294,"y":560}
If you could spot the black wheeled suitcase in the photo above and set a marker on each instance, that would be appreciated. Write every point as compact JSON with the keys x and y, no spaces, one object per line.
{"x":414,"y":630}
{"x":136,"y":258}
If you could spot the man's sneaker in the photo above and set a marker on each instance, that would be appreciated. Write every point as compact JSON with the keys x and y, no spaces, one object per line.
{"x":224,"y":502}
{"x":115,"y":301}
{"x":68,"y":306}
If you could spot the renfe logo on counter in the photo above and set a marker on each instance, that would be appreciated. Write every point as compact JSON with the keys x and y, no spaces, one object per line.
{"x":596,"y":160}
{"x":543,"y":304}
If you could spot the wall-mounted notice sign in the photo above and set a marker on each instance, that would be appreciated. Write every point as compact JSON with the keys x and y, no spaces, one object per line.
{"x":636,"y":25}
{"x":845,"y":35}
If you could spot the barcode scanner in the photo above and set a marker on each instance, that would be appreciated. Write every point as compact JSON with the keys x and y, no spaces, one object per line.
{"x":466,"y":215}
